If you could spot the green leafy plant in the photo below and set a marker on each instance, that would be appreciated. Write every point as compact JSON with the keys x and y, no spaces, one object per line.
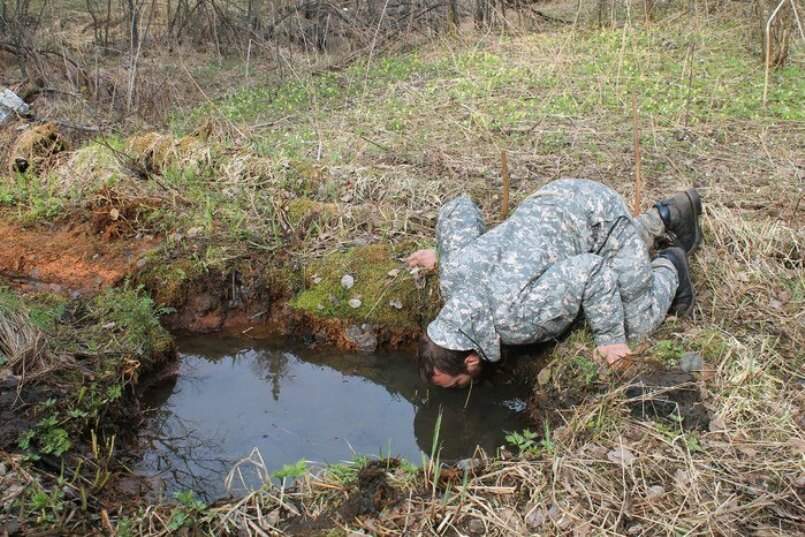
{"x":47,"y":506}
{"x":524,"y":441}
{"x":47,"y":437}
{"x":186,"y":514}
{"x":668,"y":351}
{"x":297,"y":469}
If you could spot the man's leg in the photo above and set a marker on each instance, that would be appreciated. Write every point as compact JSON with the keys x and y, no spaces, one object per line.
{"x":647,"y":287}
{"x":650,"y":226}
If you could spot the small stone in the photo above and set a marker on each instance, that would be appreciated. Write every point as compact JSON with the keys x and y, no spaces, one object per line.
{"x":691,"y":362}
{"x":3,"y":469}
{"x":654,"y":491}
{"x":396,"y":304}
{"x":394,"y":273}
{"x":194,"y":232}
{"x":355,"y":303}
{"x":476,"y":527}
{"x":512,"y":520}
{"x":273,"y":517}
{"x":142,"y":262}
{"x":536,"y":519}
{"x":114,"y":214}
{"x":347,"y":281}
{"x":622,"y":456}
{"x":363,"y":337}
{"x":316,"y":279}
{"x":636,"y":529}
{"x":544,"y":376}
{"x":468,"y":465}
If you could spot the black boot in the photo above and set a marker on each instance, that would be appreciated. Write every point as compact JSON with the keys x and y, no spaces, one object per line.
{"x":680,"y":213}
{"x":685,"y":296}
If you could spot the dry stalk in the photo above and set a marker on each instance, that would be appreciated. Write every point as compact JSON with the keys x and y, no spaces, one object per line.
{"x":638,"y":180}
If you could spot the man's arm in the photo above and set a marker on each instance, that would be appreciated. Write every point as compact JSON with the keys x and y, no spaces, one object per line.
{"x":554,"y":299}
{"x":460,"y":222}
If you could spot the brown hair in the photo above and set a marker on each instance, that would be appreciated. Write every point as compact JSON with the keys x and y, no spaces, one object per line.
{"x":431,"y":356}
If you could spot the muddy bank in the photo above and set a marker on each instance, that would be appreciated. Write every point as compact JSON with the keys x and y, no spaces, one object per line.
{"x":383,"y":306}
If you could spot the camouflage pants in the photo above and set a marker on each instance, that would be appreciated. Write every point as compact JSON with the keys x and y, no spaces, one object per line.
{"x":647,"y":287}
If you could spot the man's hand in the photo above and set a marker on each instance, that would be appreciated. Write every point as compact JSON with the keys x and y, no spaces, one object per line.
{"x":425,"y":259}
{"x":613,"y":353}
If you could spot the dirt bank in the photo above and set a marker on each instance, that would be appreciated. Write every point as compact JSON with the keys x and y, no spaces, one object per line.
{"x":67,"y":258}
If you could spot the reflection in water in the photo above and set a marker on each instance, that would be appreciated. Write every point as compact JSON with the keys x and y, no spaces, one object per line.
{"x":232,"y":395}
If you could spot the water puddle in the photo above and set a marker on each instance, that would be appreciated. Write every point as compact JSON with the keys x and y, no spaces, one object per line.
{"x":232,"y":395}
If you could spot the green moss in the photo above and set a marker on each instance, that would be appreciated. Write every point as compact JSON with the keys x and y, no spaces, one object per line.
{"x":303,"y":210}
{"x":377,"y":290}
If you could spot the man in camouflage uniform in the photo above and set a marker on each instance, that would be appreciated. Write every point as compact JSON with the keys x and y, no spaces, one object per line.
{"x":570,"y":246}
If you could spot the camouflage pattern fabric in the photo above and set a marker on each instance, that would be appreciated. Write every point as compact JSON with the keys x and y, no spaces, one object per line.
{"x":570,"y":246}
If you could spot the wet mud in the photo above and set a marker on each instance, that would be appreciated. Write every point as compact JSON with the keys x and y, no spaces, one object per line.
{"x":670,"y":394}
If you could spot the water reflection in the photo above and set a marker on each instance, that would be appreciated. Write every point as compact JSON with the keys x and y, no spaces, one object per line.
{"x":232,"y":395}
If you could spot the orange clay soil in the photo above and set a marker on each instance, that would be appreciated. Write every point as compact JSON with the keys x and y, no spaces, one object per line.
{"x":70,"y":258}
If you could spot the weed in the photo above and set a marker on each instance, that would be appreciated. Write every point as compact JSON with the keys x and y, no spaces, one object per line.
{"x":186,"y":514}
{"x":46,"y":506}
{"x":292,"y":471}
{"x":668,"y":351}
{"x":524,"y":441}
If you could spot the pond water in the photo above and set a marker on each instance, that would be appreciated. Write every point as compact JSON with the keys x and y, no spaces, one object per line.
{"x":232,"y":395}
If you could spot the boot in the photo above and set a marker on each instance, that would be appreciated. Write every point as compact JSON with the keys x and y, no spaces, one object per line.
{"x":680,"y":213}
{"x":685,"y":296}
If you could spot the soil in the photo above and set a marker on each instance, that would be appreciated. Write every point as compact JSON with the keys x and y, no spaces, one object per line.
{"x":69,"y":259}
{"x":669,"y":394}
{"x":373,"y":493}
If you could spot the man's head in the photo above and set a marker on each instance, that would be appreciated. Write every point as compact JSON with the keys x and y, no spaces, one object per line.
{"x":444,"y":367}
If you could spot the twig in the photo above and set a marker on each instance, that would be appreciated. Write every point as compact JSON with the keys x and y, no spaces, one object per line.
{"x":768,"y":49}
{"x":504,"y":172}
{"x":638,"y":180}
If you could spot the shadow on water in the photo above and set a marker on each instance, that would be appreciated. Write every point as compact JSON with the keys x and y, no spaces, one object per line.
{"x":292,"y":403}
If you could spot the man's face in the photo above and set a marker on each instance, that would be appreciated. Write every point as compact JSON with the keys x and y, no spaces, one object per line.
{"x":472,"y":364}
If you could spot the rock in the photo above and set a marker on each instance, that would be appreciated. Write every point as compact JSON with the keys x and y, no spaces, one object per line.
{"x":347,"y":281}
{"x":363,"y":337}
{"x":3,"y":469}
{"x":396,"y":304}
{"x":142,"y":262}
{"x":536,"y":519}
{"x":273,"y":517}
{"x":355,"y":303}
{"x":394,"y":273}
{"x":476,"y":527}
{"x":316,"y":279}
{"x":654,"y":492}
{"x":690,"y":362}
{"x":622,"y":456}
{"x":194,"y":232}
{"x":10,"y":103}
{"x":468,"y":465}
{"x":512,"y":520}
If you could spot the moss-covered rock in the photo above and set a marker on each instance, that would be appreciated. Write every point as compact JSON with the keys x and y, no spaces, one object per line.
{"x":302,"y":211}
{"x":382,"y":292}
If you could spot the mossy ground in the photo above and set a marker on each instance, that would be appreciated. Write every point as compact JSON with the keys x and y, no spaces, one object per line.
{"x":382,"y":292}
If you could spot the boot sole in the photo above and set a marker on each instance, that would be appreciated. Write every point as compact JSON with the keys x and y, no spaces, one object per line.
{"x":696,"y":202}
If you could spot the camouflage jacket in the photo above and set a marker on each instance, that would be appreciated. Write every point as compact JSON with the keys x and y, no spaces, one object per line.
{"x":527,"y":279}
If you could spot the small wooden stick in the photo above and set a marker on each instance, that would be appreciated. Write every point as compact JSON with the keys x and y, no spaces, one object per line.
{"x":504,"y":172}
{"x":638,"y":180}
